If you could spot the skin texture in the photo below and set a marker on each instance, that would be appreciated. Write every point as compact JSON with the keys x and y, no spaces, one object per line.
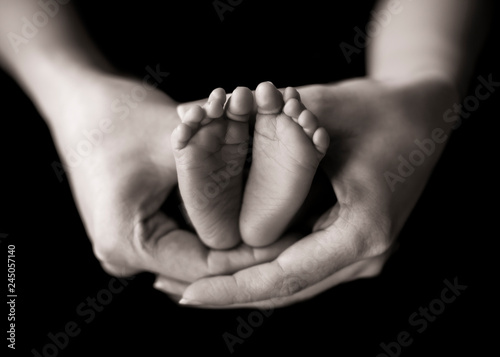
{"x":288,"y":145}
{"x":356,"y":236}
{"x":120,"y":189}
{"x":210,"y":148}
{"x":417,"y":66}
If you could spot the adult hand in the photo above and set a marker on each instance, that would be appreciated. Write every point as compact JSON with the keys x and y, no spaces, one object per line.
{"x":373,"y":126}
{"x":114,"y":136}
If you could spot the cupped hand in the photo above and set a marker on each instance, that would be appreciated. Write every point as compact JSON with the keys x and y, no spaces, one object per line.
{"x":374,"y":127}
{"x":113,"y":134}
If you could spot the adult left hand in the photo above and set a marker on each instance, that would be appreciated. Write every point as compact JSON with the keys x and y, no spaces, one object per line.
{"x":374,"y":127}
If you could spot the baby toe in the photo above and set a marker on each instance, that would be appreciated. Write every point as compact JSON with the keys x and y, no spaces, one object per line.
{"x":240,"y":105}
{"x":269,"y":99}
{"x":293,"y":108}
{"x":194,"y":116}
{"x":308,"y":122}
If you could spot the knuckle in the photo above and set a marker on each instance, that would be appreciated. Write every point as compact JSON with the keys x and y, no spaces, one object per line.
{"x":114,"y":246}
{"x":217,"y":266}
{"x":377,"y":245}
{"x":117,"y":242}
{"x":109,"y":251}
{"x":114,"y":262}
{"x":375,"y":240}
{"x":114,"y":270}
{"x":372,"y":268}
{"x":292,"y":285}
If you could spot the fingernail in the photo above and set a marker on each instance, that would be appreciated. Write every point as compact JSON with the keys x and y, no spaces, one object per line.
{"x":185,"y":301}
{"x":158,"y":285}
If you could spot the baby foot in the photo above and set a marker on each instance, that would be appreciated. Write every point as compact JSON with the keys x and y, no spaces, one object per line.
{"x":210,"y":148}
{"x":288,"y":145}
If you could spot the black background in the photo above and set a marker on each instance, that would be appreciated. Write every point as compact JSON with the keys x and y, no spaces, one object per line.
{"x":451,"y":232}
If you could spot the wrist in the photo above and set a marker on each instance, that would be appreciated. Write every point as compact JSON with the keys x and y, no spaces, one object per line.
{"x":414,"y":104}
{"x":52,"y":80}
{"x":431,"y":94}
{"x":436,"y":79}
{"x":109,"y":102}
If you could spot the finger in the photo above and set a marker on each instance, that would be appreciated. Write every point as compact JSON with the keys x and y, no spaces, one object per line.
{"x":367,"y":268}
{"x":307,"y":262}
{"x":170,"y":286}
{"x":119,"y":270}
{"x":180,"y":255}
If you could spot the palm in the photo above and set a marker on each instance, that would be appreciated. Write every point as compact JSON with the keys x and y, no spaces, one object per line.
{"x":120,"y":187}
{"x":370,"y":124}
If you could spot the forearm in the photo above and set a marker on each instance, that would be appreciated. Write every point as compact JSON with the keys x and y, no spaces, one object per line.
{"x":429,"y":37}
{"x":47,"y":61}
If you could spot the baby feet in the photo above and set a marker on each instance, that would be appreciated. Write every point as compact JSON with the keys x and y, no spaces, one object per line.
{"x":288,"y":146}
{"x":210,"y":147}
